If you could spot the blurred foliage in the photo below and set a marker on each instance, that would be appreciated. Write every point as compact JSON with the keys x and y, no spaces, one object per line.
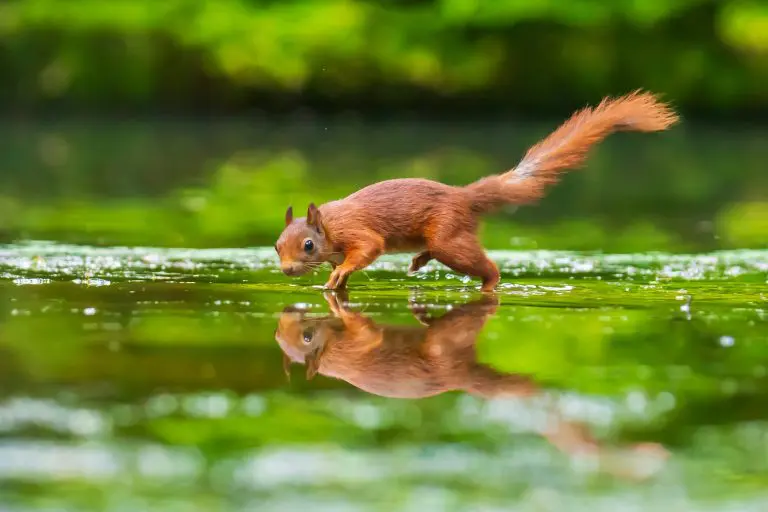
{"x":703,"y":54}
{"x":745,"y":224}
{"x":687,"y":191}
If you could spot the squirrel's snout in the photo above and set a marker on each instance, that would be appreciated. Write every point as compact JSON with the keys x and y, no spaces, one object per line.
{"x":292,"y":269}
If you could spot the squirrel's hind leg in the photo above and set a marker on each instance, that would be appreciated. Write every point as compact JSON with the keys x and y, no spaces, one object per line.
{"x":464,"y":254}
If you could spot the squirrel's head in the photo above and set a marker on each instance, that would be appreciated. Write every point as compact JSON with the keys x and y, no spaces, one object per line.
{"x":302,"y":339}
{"x":302,"y":245}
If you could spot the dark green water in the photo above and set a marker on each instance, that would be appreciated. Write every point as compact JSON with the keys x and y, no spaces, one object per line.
{"x":150,"y":379}
{"x":228,"y":183}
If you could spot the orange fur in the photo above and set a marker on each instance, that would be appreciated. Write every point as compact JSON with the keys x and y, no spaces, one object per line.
{"x":398,"y":361}
{"x":441,"y":221}
{"x":413,"y":362}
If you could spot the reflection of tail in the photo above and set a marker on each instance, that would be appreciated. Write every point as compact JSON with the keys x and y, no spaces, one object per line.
{"x":486,"y":382}
{"x":566,"y":148}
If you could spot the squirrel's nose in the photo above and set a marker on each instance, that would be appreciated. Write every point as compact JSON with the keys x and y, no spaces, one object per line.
{"x":290,"y":269}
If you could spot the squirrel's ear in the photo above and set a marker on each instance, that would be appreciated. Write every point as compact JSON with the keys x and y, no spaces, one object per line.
{"x":289,"y":215}
{"x":313,"y":216}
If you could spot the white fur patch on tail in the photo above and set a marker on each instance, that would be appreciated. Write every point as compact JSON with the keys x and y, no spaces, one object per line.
{"x":525,"y":170}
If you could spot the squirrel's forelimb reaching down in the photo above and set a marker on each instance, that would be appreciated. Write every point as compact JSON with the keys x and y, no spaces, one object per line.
{"x":440,"y":221}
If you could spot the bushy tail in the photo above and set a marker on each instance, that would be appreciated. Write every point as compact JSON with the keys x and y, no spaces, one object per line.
{"x":566,"y":148}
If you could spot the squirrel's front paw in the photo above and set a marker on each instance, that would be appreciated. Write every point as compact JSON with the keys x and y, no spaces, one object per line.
{"x":335,"y":282}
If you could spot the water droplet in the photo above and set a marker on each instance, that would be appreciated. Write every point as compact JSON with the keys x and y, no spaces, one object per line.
{"x":727,"y":341}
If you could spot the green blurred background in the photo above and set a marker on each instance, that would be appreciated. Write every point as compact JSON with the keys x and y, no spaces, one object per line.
{"x":195,"y":123}
{"x":518,"y":55}
{"x":149,"y":379}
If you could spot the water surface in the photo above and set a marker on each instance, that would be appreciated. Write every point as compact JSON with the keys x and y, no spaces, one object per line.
{"x":151,"y":379}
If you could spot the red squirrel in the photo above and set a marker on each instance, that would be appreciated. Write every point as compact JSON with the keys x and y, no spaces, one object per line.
{"x":441,"y":221}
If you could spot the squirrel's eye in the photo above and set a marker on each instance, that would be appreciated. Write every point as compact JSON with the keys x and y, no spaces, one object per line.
{"x":308,"y":336}
{"x":308,"y":245}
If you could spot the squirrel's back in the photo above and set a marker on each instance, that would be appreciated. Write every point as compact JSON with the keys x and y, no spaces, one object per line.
{"x":399,"y":210}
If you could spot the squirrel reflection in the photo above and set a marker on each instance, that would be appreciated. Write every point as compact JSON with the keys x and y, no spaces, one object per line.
{"x":438,"y":356}
{"x":397,"y":361}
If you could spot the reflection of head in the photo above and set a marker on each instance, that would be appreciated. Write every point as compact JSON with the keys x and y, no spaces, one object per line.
{"x":290,"y":329}
{"x":301,"y":338}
